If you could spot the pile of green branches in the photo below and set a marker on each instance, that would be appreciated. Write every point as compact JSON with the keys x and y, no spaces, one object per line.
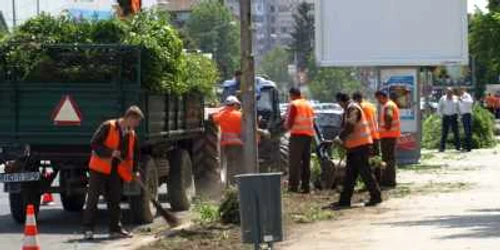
{"x":165,"y":67}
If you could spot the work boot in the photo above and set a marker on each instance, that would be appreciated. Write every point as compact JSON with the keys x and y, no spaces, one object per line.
{"x":121,"y":233}
{"x":338,"y":206}
{"x":373,"y":202}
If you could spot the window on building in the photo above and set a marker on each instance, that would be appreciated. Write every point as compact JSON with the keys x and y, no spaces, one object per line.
{"x":273,"y":19}
{"x":284,"y":30}
{"x":272,"y":9}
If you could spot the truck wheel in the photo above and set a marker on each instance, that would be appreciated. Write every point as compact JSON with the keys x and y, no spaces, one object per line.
{"x":206,"y":160}
{"x":180,"y":181}
{"x":142,"y":208}
{"x":19,"y":202}
{"x":73,"y":203}
{"x":284,"y":153}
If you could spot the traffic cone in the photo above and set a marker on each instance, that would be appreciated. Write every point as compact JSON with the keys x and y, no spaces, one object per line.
{"x":30,"y":230}
{"x":47,"y":199}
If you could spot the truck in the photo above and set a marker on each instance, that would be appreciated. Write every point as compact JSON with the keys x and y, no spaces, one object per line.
{"x":47,"y":119}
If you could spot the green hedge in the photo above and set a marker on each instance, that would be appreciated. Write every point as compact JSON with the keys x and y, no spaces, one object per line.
{"x":482,"y":130}
{"x":165,"y":67}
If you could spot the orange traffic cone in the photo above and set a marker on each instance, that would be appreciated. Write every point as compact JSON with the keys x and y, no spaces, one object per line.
{"x":30,"y":230}
{"x":47,"y":199}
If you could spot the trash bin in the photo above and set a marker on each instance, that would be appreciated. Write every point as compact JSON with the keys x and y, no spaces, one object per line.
{"x":260,"y":207}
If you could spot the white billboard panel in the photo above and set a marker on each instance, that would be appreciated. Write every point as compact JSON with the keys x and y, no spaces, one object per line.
{"x":391,"y":32}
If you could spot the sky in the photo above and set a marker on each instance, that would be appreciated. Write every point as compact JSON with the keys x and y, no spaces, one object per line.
{"x":27,"y":8}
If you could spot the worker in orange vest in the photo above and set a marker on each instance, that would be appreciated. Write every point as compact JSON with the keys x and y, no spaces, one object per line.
{"x":356,"y":138}
{"x":231,"y":141}
{"x":300,"y":123}
{"x":229,"y":121}
{"x":390,"y":131}
{"x":370,"y":111}
{"x":490,"y":103}
{"x":115,"y":152}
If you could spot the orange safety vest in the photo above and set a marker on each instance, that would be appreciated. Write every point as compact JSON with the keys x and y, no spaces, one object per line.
{"x":303,"y":123}
{"x":229,"y":120}
{"x":103,"y":165}
{"x":395,"y":131}
{"x":490,"y":101}
{"x":371,"y":116}
{"x":361,"y":135}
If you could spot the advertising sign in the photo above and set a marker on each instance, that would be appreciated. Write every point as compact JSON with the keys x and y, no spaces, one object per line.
{"x":401,"y":84}
{"x":391,"y":32}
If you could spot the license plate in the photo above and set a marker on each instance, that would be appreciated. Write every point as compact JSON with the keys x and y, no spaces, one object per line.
{"x":20,"y":177}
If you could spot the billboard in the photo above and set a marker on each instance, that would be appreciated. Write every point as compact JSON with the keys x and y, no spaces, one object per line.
{"x":401,"y":84}
{"x":391,"y":32}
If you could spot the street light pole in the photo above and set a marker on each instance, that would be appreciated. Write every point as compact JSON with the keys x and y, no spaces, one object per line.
{"x":249,"y":124}
{"x":14,"y":17}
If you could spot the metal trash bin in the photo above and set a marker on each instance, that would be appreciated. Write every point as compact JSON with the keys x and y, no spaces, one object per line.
{"x":260,"y":208}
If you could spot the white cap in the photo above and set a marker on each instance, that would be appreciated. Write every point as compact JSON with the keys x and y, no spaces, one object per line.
{"x":231,"y":100}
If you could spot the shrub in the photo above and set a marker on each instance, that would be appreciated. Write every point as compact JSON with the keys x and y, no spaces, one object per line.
{"x":482,"y":130}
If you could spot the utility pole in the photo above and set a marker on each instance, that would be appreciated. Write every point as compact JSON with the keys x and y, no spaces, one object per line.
{"x":38,"y":7}
{"x":249,"y":124}
{"x":14,"y":13}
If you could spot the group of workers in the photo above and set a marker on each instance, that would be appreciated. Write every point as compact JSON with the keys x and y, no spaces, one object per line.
{"x":363,"y":134}
{"x":115,"y":150}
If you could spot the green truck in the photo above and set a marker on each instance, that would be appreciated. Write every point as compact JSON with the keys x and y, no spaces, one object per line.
{"x":47,"y":118}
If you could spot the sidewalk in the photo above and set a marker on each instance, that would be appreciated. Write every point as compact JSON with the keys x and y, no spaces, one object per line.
{"x":467,"y":219}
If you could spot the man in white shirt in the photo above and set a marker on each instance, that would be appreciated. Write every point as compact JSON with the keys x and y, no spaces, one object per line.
{"x":448,"y":110}
{"x":465,"y":103}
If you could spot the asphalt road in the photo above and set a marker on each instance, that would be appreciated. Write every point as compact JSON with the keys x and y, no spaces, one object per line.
{"x":58,"y":229}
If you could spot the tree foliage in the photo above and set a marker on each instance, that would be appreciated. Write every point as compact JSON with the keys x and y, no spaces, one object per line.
{"x":303,"y":34}
{"x":212,"y":28}
{"x":327,"y":82}
{"x":165,"y":68}
{"x":275,"y":65}
{"x":484,"y":30}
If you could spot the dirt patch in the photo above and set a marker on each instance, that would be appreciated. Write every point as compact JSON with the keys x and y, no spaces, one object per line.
{"x":201,"y":237}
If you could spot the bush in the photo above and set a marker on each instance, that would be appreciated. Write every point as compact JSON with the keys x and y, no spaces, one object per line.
{"x":165,"y":67}
{"x":229,"y":210}
{"x":482,"y":130}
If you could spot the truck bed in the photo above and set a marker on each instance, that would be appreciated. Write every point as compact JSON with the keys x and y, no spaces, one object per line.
{"x":28,"y":108}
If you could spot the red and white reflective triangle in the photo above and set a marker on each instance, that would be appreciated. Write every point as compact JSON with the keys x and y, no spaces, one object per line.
{"x":67,"y":113}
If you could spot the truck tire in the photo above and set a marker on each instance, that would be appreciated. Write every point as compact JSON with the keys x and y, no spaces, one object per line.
{"x":284,"y":153}
{"x":19,"y":202}
{"x":180,"y":182}
{"x":141,"y":206}
{"x":206,"y":160}
{"x":274,"y":153}
{"x":73,"y":203}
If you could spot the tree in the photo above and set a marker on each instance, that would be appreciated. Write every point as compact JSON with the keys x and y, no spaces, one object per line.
{"x":213,"y":30}
{"x":484,"y":46}
{"x":275,"y":65}
{"x":328,"y":82}
{"x":303,"y":34}
{"x":494,"y":5}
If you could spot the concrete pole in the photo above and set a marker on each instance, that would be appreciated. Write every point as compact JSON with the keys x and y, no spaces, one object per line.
{"x":249,"y":124}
